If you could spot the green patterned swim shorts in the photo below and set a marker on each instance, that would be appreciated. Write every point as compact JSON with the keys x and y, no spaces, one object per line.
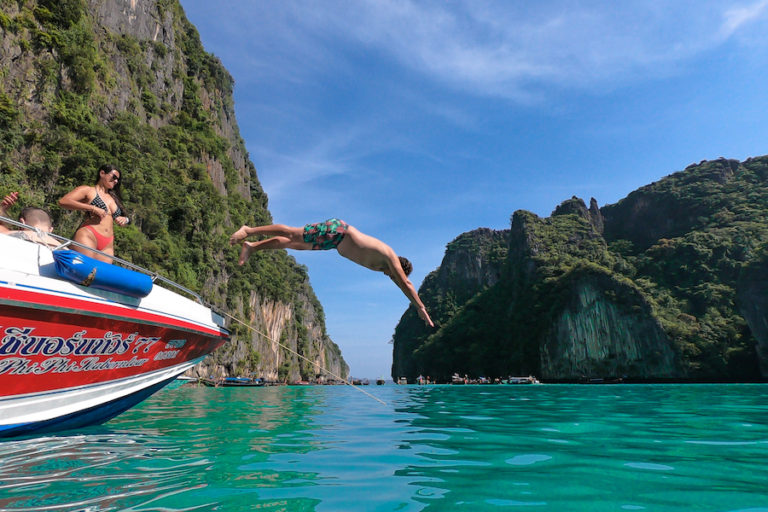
{"x":325,"y":235}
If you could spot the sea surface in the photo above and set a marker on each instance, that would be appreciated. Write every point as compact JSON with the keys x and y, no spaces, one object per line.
{"x":434,"y":448}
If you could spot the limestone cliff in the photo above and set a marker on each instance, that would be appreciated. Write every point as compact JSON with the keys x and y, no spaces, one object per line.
{"x":472,"y":263}
{"x":666,"y":284}
{"x":297,"y":325}
{"x":753,"y":304}
{"x":593,"y":334}
{"x":127,"y":82}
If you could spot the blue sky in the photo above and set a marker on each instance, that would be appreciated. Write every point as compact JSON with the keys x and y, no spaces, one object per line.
{"x":416,"y":121}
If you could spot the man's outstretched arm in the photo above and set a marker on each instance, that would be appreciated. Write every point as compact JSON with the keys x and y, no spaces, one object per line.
{"x":402,"y":282}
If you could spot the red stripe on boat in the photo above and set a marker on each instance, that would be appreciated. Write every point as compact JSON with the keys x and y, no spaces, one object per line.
{"x":51,"y":301}
{"x":49,"y":342}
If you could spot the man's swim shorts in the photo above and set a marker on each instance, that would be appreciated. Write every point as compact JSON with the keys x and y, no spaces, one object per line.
{"x":325,"y":235}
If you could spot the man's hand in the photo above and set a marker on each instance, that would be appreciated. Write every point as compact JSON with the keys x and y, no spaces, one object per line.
{"x":425,"y":316}
{"x":8,"y":201}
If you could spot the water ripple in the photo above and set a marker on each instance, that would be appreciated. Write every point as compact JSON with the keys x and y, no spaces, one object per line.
{"x":98,"y":470}
{"x":433,"y":448}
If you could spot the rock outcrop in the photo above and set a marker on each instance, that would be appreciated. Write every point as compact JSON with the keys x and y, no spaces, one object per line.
{"x":753,"y":304}
{"x":667,"y":284}
{"x":593,"y":334}
{"x":472,"y":263}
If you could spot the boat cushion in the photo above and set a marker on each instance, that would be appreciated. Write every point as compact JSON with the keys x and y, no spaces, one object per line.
{"x":79,"y":268}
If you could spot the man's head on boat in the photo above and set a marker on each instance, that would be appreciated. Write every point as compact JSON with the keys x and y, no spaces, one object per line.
{"x":37,"y":218}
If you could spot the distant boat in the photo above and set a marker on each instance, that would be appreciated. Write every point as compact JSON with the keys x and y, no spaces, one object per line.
{"x":211,"y":383}
{"x":457,"y":379}
{"x":380,"y":381}
{"x":402,"y":381}
{"x":241,"y":382}
{"x":77,"y":352}
{"x":232,"y":382}
{"x":600,"y":380}
{"x":523,"y":380}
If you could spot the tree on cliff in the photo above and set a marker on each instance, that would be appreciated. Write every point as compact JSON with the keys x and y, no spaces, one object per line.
{"x":82,"y":85}
{"x":646,"y":288}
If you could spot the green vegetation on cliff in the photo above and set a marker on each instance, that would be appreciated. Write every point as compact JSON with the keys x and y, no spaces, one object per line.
{"x":77,"y":91}
{"x":473,"y":264}
{"x":663,"y":266}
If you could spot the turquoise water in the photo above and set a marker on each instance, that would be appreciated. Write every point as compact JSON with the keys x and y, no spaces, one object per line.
{"x":435,"y":448}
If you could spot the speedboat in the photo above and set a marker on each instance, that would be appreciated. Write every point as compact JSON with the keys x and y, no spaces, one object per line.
{"x":82,"y":341}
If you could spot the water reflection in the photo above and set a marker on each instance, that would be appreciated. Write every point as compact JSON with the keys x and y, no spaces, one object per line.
{"x":102,"y":469}
{"x":169,"y":453}
{"x":434,"y":448}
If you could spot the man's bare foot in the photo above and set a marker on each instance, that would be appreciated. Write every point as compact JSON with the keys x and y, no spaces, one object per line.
{"x":238,"y":235}
{"x":245,"y":252}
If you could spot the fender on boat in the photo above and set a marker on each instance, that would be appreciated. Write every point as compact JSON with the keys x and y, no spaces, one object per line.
{"x":80,"y":269}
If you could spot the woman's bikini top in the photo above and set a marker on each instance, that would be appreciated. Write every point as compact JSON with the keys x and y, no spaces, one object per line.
{"x":98,"y":202}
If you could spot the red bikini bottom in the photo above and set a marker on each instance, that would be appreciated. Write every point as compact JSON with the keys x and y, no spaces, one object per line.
{"x":101,"y":240}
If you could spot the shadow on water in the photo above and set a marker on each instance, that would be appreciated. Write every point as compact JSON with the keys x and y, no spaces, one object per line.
{"x":434,"y":448}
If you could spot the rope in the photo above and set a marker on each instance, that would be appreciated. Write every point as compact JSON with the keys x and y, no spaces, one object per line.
{"x":325,"y":370}
{"x":155,"y":276}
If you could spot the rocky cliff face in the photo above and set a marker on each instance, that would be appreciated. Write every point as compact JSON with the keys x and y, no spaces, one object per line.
{"x":589,"y":323}
{"x":128,"y":82}
{"x":753,"y":304}
{"x":659,"y":210}
{"x":666,"y":284}
{"x":594,"y":334}
{"x":473,"y":262}
{"x":297,"y":325}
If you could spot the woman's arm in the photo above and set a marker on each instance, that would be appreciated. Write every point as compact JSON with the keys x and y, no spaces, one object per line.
{"x":77,"y":199}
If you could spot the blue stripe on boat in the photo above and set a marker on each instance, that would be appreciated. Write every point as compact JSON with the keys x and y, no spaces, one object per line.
{"x":92,"y":416}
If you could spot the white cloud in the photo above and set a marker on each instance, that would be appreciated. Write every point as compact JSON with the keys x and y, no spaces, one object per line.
{"x":328,"y":154}
{"x":738,"y":17}
{"x":504,"y":49}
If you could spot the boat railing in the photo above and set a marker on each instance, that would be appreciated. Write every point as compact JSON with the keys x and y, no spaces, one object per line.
{"x":66,"y":242}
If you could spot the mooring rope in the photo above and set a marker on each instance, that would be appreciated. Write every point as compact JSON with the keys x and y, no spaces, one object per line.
{"x":325,"y":370}
{"x":155,"y":276}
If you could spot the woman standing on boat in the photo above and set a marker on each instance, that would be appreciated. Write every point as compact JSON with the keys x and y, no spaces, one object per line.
{"x":103,"y":207}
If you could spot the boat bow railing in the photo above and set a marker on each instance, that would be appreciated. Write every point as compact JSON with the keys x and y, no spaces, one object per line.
{"x":66,"y":242}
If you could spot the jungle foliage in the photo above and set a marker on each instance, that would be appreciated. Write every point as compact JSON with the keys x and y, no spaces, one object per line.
{"x":161,"y":140}
{"x":677,"y":247}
